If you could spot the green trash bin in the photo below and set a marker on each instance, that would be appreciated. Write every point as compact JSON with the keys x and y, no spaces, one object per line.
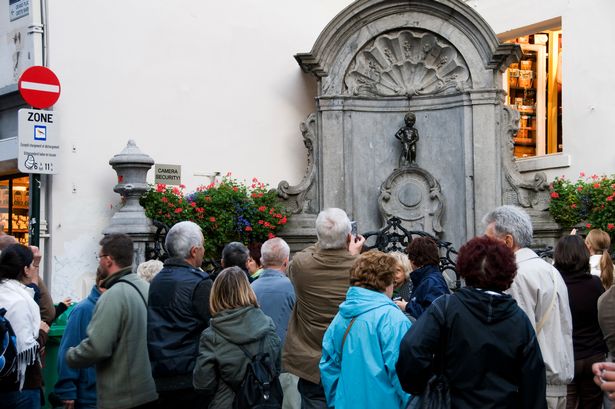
{"x":50,"y":370}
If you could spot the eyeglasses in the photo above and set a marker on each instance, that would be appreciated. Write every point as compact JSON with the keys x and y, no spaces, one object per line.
{"x":99,"y":256}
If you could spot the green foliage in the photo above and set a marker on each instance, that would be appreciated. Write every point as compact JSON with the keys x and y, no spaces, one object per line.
{"x":589,"y":200}
{"x":226,"y":211}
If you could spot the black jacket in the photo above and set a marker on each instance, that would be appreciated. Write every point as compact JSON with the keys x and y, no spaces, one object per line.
{"x":177,"y":313}
{"x":428,"y":284}
{"x":491,"y":356}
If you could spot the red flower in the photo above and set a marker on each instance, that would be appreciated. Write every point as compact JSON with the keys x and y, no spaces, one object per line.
{"x":168,"y":216}
{"x":554,"y":195}
{"x":176,"y":191}
{"x":261,"y":222}
{"x":182,"y":186}
{"x":580,"y":188}
{"x":255,"y":180}
{"x":271,"y":236}
{"x":609,"y":198}
{"x":267,"y":224}
{"x":161,"y":187}
{"x":574,"y":205}
{"x":178,"y":210}
{"x":248,"y":228}
{"x":594,"y":176}
{"x":193,"y":204}
{"x":208,"y":198}
{"x":235,"y":188}
{"x":596,"y":185}
{"x":610,"y":226}
{"x":199,"y":210}
{"x":582,"y":174}
{"x":164,"y":199}
{"x":262,"y":208}
{"x":212,"y":219}
{"x":588,"y":225}
{"x":253,"y":185}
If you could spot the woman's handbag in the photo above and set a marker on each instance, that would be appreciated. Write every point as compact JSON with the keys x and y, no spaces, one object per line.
{"x":437,"y":394}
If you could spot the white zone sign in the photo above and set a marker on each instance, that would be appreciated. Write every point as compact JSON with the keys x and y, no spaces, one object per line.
{"x":168,"y":174}
{"x":39,"y":142}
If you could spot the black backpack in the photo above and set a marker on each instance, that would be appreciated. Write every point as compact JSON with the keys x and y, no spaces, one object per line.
{"x":8,"y":351}
{"x":260,"y":387}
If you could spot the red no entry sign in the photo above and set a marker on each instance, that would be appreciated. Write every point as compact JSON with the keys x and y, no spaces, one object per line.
{"x":39,"y":87}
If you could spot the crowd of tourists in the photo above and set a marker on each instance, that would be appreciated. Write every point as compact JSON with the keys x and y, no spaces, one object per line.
{"x":335,"y":327}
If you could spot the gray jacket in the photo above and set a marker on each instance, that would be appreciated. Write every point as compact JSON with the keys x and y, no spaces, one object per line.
{"x":221,"y":365}
{"x":117,"y":344}
{"x":533,"y":289}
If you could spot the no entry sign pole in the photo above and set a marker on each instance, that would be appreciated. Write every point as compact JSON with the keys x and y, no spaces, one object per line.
{"x":39,"y":87}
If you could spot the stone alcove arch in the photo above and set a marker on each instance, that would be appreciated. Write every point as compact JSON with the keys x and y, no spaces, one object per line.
{"x":375,"y":61}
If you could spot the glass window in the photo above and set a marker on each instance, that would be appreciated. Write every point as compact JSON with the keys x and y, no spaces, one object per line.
{"x":14,"y":206}
{"x":534,"y":88}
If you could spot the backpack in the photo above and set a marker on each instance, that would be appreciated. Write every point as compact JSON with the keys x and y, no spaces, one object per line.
{"x":8,"y":351}
{"x":260,"y":387}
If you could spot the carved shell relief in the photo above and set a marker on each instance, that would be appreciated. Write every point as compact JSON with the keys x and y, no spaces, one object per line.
{"x":407,"y":63}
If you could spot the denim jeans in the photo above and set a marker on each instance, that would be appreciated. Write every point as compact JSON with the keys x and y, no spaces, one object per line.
{"x":26,"y":399}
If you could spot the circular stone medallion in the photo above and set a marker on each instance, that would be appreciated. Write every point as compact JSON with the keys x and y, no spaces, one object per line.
{"x":410,"y":195}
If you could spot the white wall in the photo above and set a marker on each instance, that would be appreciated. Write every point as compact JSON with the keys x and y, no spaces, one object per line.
{"x":212,"y":86}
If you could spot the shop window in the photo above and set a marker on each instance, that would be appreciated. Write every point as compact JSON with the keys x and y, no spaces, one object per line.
{"x":14,"y":206}
{"x":534,"y":87}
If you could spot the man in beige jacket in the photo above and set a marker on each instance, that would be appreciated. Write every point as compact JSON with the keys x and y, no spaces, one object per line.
{"x":321,"y":277}
{"x":541,"y":293}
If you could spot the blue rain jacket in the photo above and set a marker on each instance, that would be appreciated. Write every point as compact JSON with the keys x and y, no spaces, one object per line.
{"x":364,"y":375}
{"x":77,"y":384}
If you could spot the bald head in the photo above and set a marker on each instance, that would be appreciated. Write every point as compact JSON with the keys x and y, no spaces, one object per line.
{"x":6,"y":240}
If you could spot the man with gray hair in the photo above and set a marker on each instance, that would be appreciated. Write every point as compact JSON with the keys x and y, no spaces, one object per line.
{"x":321,"y":277}
{"x":541,"y":292}
{"x":236,"y":254}
{"x":177,"y":313}
{"x":276,"y":296}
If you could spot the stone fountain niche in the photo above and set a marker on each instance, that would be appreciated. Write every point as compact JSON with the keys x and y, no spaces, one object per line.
{"x":376,"y":61}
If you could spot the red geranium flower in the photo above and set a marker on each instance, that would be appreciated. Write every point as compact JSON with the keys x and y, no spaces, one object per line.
{"x":588,"y":225}
{"x":610,"y":226}
{"x":212,"y":219}
{"x":554,"y":195}
{"x":178,"y":210}
{"x":248,"y":228}
{"x":271,"y":236}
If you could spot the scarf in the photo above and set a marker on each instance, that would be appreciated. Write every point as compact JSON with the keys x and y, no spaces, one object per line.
{"x":25,"y":318}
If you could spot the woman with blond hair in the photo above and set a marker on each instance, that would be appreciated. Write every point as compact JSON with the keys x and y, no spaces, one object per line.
{"x":238,"y":328}
{"x":598,"y":243}
{"x":360,"y":347}
{"x":403,"y":284}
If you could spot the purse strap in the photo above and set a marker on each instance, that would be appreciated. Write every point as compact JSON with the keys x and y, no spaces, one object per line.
{"x":346,"y":333}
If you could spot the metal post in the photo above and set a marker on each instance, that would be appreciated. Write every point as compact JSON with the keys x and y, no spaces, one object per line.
{"x":35,"y":209}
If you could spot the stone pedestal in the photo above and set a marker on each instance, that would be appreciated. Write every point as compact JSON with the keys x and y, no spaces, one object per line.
{"x":132,"y":166}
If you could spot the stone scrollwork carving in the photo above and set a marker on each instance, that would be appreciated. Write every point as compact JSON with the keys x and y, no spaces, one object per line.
{"x":528,"y":193}
{"x":414,"y":195}
{"x":407,"y":63}
{"x":296,"y":198}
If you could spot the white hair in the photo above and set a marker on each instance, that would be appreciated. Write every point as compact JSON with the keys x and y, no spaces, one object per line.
{"x":182,"y":237}
{"x":332,"y":228}
{"x":148,"y":269}
{"x":511,"y":220}
{"x":404,"y":261}
{"x":274,"y":252}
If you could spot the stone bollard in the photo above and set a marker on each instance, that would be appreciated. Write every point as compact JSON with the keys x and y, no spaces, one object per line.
{"x":132,"y":166}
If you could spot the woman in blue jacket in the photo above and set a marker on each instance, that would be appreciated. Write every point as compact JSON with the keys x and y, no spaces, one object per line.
{"x":427,"y":279}
{"x":361,"y":345}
